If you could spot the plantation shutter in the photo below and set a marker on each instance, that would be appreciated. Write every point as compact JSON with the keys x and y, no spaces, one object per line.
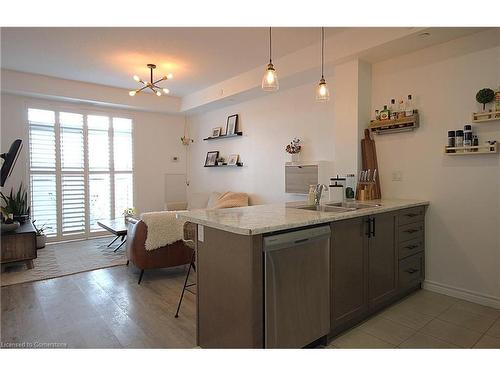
{"x":72,"y":173}
{"x":42,"y":138}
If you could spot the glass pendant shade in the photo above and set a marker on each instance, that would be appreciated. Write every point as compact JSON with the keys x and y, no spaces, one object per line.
{"x":322,"y":92}
{"x":270,"y":79}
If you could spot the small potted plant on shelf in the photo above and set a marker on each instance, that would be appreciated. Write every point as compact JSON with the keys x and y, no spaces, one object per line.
{"x":294,"y":148}
{"x":41,"y":237}
{"x":128,"y":212}
{"x":17,"y":204}
{"x":485,"y":96}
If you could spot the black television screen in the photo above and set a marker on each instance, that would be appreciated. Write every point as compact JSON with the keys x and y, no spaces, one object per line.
{"x":10,"y":159}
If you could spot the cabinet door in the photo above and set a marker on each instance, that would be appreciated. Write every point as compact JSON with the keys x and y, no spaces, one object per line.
{"x":382,"y":259}
{"x":349,"y":298}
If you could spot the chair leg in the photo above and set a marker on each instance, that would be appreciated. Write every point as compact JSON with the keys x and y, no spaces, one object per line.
{"x":191,"y":264}
{"x":140,"y":276}
{"x":128,"y":261}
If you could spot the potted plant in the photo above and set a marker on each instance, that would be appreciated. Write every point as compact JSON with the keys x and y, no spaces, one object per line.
{"x":17,"y":204}
{"x":485,"y":96}
{"x":8,"y":224}
{"x":294,"y":148}
{"x":128,"y":212}
{"x":41,"y":237}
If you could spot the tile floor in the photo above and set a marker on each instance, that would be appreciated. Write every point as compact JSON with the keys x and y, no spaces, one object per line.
{"x":426,"y":320}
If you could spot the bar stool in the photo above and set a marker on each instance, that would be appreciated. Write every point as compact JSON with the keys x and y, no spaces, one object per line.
{"x":186,"y":285}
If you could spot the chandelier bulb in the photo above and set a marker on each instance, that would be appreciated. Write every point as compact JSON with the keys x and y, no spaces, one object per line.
{"x":166,"y":91}
{"x":158,"y":93}
{"x":170,"y":76}
{"x":136,"y":78}
{"x":132,"y":93}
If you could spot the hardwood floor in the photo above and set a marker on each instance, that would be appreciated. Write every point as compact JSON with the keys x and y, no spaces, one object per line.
{"x":101,"y":309}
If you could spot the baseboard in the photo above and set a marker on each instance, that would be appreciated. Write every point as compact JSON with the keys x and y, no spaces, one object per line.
{"x":482,"y":299}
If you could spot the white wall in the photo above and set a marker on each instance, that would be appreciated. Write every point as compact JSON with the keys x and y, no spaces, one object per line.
{"x":463,"y":222}
{"x":156,"y":140}
{"x":268,"y":123}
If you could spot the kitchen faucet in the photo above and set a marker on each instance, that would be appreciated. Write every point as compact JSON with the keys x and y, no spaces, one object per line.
{"x":317,"y":193}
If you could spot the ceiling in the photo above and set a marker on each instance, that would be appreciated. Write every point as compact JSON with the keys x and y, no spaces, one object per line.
{"x":198,"y":57}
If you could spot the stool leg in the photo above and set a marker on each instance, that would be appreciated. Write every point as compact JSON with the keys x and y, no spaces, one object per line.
{"x":191,"y":264}
{"x":140,"y":276}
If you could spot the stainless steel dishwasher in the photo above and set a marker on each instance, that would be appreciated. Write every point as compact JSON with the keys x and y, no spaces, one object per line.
{"x":297,"y":287}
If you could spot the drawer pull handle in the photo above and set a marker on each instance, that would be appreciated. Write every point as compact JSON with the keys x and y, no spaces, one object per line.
{"x":412,"y":230}
{"x":411,"y":270}
{"x":411,"y":247}
{"x":412,"y":215}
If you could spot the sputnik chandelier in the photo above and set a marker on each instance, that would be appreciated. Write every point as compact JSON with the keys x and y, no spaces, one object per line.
{"x":152,"y":84}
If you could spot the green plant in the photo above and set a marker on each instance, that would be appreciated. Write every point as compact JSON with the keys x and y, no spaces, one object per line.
{"x":40,"y":231}
{"x":130,"y":211}
{"x":485,"y":96}
{"x":17,"y":204}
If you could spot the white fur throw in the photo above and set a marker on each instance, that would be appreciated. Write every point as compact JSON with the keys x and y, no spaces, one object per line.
{"x":163,"y":228}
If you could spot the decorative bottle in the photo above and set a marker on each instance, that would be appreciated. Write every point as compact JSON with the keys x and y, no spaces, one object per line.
{"x":384,"y":114}
{"x":409,"y":106}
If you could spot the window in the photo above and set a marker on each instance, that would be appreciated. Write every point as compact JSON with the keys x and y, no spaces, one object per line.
{"x":80,"y":170}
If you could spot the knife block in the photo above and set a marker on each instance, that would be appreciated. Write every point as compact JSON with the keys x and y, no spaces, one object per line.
{"x":365,"y":191}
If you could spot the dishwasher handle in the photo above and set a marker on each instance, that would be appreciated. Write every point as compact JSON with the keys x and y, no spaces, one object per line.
{"x":295,"y":238}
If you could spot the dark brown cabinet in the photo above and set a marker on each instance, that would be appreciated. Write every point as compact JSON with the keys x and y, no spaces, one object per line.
{"x":382,"y":259}
{"x":364,"y":267}
{"x":19,"y":245}
{"x":348,"y":259}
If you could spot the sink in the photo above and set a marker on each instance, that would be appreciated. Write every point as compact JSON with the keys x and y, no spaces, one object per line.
{"x":326,"y":208}
{"x":353,"y":205}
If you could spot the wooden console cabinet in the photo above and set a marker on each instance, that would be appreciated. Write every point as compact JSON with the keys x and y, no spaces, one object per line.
{"x":19,"y":245}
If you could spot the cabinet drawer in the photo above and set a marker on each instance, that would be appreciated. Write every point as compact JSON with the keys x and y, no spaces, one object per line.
{"x":411,"y":270}
{"x":411,"y":215}
{"x":411,"y":247}
{"x":410,"y":231}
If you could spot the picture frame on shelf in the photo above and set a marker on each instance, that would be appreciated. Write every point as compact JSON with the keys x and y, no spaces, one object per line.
{"x":232,"y":125}
{"x":233,"y":159}
{"x":211,"y":160}
{"x":216,"y":132}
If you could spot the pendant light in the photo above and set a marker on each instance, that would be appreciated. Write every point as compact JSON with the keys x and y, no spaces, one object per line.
{"x":322,"y":92}
{"x":270,"y":79}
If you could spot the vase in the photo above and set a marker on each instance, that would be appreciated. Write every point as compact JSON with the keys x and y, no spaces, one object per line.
{"x":295,"y":158}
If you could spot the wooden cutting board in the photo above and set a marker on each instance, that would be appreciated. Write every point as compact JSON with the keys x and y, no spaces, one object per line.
{"x":369,"y":161}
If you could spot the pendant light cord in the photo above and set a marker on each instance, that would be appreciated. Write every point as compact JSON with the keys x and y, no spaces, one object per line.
{"x":270,"y":46}
{"x":322,"y":50}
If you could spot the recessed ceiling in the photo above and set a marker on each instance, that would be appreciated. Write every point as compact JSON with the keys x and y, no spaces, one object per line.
{"x":198,"y":57}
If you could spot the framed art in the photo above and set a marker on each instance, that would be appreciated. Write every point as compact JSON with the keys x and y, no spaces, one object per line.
{"x":216,"y":132}
{"x":232,"y":124}
{"x":233,"y":159}
{"x":211,"y":159}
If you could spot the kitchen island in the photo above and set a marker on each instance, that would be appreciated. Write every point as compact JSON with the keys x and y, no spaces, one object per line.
{"x":375,"y":256}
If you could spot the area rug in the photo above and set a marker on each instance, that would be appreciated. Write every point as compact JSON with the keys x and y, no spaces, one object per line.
{"x":62,"y":259}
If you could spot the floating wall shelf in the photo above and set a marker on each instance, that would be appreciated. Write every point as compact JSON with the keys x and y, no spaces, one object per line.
{"x":472,"y":150}
{"x":237,"y":134}
{"x":239,"y":164}
{"x":407,"y":123}
{"x":485,"y":116}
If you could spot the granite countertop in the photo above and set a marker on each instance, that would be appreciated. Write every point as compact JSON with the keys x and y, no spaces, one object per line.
{"x":273,"y":217}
